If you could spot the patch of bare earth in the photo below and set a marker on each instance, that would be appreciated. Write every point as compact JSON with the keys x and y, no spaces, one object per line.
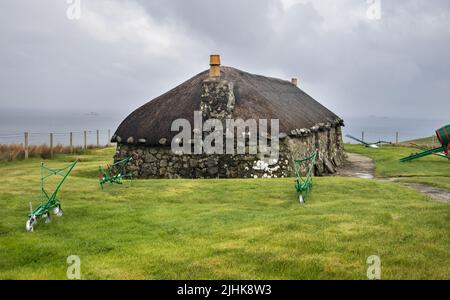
{"x":358,"y":166}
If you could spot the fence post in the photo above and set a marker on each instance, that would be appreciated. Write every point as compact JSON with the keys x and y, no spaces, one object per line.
{"x":26,"y":145}
{"x":51,"y":145}
{"x":98,"y":138}
{"x":71,"y":142}
{"x":362,"y":136}
{"x":85,"y":140}
{"x":396,"y":137}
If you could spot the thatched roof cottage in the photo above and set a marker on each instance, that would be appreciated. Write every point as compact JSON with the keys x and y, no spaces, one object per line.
{"x":225,"y":92}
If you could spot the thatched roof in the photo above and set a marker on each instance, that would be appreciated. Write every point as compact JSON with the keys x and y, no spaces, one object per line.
{"x":256,"y":97}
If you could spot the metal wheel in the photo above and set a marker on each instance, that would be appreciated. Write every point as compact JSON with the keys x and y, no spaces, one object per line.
{"x":30,"y":223}
{"x":48,"y":218}
{"x":300,"y":199}
{"x":58,"y":211}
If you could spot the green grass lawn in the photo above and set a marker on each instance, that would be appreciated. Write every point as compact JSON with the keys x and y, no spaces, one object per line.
{"x":222,"y":229}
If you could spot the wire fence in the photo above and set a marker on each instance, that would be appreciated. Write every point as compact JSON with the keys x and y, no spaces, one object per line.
{"x":98,"y":138}
{"x":102,"y":137}
{"x":23,"y":141}
{"x":394,"y":137}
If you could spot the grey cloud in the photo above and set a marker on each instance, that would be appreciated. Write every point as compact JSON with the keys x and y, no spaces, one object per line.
{"x":397,"y":66}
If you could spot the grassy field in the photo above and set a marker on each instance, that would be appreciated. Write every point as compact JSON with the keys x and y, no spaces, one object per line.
{"x":431,"y":170}
{"x":224,"y":229}
{"x":17,"y":152}
{"x":431,"y":142}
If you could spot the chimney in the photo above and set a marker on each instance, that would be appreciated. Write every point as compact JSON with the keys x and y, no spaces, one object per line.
{"x":294,"y":81}
{"x":214,"y":62}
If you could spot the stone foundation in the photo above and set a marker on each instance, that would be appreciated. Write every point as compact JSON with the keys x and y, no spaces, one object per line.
{"x":161,"y":162}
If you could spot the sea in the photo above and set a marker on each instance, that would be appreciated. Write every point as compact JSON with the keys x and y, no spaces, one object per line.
{"x":14,"y":123}
{"x":39,"y":125}
{"x":378,"y":128}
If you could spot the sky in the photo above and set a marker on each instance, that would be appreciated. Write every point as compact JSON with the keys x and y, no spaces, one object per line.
{"x":357,"y":57}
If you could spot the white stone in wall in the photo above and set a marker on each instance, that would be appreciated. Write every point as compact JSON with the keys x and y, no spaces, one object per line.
{"x":260,"y":165}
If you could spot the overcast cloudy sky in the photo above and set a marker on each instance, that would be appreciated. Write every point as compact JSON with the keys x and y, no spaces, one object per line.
{"x":120,"y":54}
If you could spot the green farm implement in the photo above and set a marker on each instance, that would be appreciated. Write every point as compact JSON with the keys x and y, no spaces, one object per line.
{"x":116,"y":173}
{"x":304,"y":171}
{"x":52,"y":203}
{"x":443,"y":136}
{"x":422,"y":148}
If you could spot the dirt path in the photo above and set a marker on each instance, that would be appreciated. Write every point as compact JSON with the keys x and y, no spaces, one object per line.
{"x":361,"y":166}
{"x":438,"y":194}
{"x":358,"y":166}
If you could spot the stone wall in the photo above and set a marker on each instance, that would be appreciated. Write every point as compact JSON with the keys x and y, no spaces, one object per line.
{"x":327,"y":140}
{"x":161,"y":162}
{"x":217,"y":99}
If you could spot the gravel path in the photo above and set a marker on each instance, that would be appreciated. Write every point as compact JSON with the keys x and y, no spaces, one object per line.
{"x":438,"y":194}
{"x":361,"y":166}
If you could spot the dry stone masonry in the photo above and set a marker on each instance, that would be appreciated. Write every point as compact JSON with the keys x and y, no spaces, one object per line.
{"x":161,"y":162}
